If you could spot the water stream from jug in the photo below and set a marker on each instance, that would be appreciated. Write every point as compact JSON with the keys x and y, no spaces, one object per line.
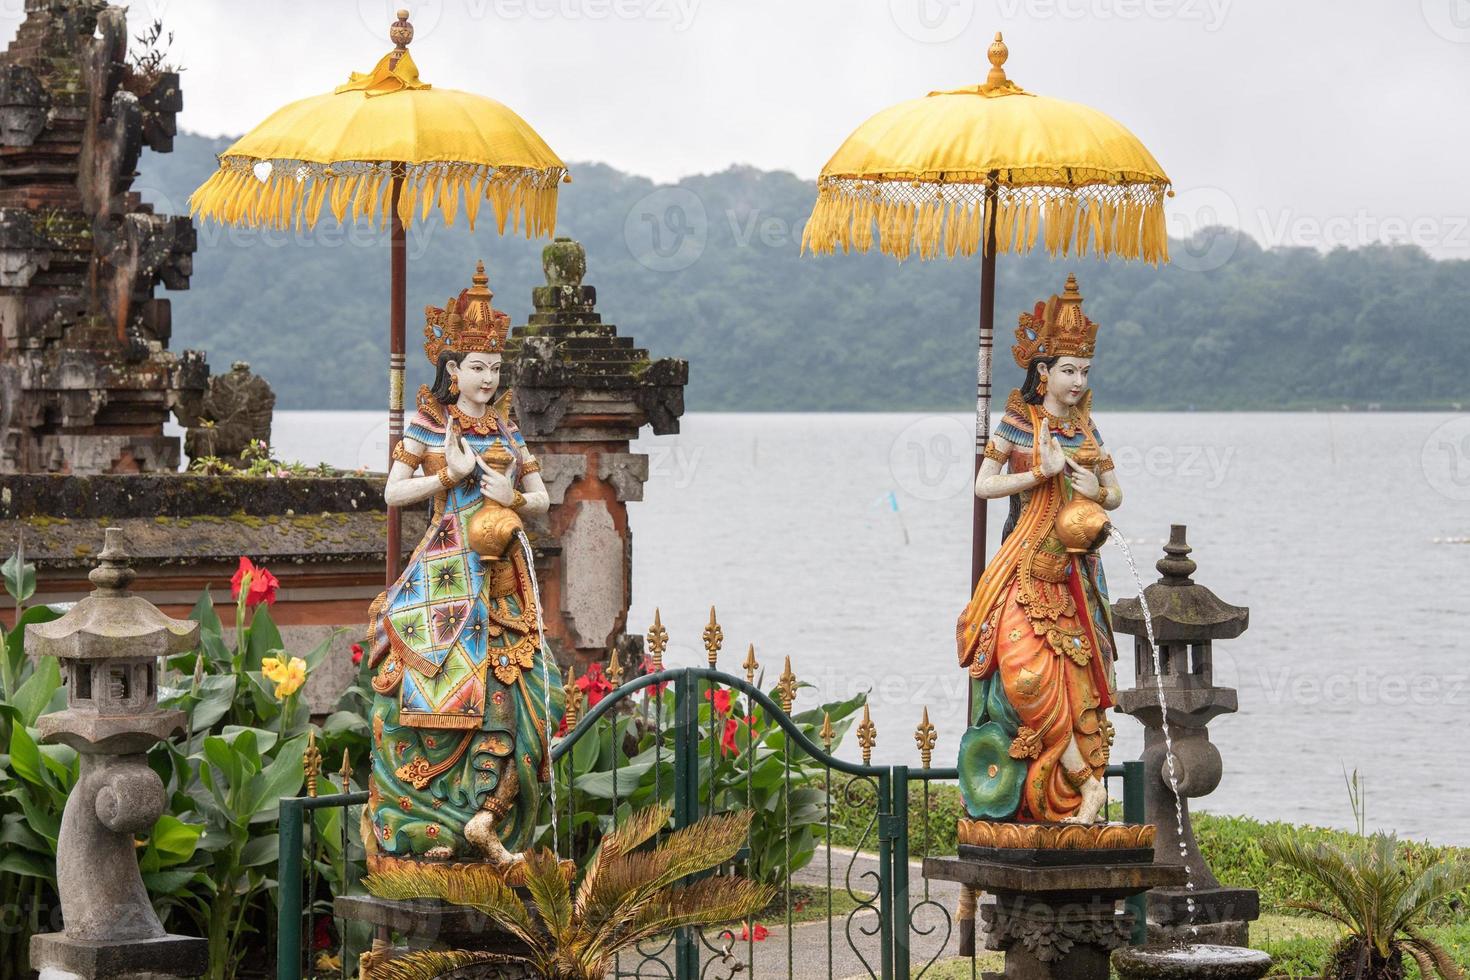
{"x":1169,"y":770}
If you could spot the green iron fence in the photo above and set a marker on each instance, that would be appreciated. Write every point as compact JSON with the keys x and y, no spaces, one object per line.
{"x":685,"y":752}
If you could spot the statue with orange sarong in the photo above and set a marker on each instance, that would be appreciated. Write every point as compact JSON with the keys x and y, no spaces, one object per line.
{"x":1036,"y":636}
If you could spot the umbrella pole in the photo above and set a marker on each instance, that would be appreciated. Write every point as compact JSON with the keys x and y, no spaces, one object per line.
{"x":966,"y":914}
{"x":982,"y":408}
{"x":982,"y":375}
{"x":397,"y":303}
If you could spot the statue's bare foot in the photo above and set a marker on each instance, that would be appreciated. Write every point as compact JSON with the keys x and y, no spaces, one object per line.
{"x":1094,"y":798}
{"x":480,"y":832}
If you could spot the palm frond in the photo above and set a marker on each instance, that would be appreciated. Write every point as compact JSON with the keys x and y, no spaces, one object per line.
{"x":718,"y":899}
{"x":430,"y":964}
{"x":1318,"y":908}
{"x":550,"y":893}
{"x":625,"y":883}
{"x":1420,"y":945}
{"x":640,"y":826}
{"x":1431,"y":885}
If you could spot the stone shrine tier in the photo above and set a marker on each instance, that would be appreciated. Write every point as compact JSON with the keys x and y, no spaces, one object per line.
{"x":1057,"y":908}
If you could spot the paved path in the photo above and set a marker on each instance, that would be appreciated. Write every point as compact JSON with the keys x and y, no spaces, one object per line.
{"x":808,"y":942}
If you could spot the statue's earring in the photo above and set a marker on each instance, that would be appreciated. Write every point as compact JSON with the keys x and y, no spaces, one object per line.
{"x":454,"y":386}
{"x":1041,"y":385}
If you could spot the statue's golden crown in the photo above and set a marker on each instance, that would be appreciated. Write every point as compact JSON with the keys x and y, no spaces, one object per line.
{"x":468,"y":323}
{"x":1056,"y":328}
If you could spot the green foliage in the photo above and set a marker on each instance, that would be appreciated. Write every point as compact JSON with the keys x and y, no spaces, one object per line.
{"x":257,"y":460}
{"x":1302,"y":947}
{"x":209,"y":860}
{"x":766,"y":328}
{"x":742,"y":764}
{"x":1381,"y":899}
{"x":1233,"y":848}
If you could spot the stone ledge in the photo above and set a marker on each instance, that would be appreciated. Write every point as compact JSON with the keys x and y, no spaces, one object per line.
{"x":185,"y":495}
{"x":164,"y":958}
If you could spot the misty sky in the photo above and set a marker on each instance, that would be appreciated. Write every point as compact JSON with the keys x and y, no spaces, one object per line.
{"x":1302,"y":121}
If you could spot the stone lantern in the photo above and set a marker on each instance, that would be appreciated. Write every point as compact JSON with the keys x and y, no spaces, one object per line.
{"x":1187,"y":619}
{"x":109,"y":645}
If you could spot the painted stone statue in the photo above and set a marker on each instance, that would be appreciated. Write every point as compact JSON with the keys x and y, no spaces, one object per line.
{"x":467,"y":694}
{"x":1036,"y":637}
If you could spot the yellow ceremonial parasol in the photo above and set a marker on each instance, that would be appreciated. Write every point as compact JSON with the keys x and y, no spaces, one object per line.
{"x":385,"y":145}
{"x":930,"y":173}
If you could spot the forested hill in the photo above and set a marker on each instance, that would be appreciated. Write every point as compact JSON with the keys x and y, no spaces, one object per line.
{"x":710,"y":270}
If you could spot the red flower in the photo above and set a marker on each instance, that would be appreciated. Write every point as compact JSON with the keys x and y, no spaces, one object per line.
{"x":727,"y":740}
{"x":761,"y":932}
{"x":594,"y":684}
{"x":356,"y":654}
{"x":262,"y":587}
{"x":321,"y":936}
{"x":720,"y":698}
{"x":648,"y":669}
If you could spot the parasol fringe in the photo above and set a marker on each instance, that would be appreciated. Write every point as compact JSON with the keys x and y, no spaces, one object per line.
{"x":522,"y":199}
{"x":904,"y":218}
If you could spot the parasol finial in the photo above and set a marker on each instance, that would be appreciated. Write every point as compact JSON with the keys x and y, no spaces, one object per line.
{"x":400,"y":32}
{"x":997,"y":53}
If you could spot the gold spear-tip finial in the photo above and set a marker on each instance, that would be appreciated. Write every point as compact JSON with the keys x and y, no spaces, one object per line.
{"x":311,"y":762}
{"x":714,"y":638}
{"x":750,"y":666}
{"x":346,"y":772}
{"x":924,"y":737}
{"x":788,"y":687}
{"x":827,"y":733}
{"x":574,"y":697}
{"x":658,"y":638}
{"x":867,"y":736}
{"x":614,"y":668}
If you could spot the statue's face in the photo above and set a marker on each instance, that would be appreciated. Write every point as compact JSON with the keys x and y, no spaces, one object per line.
{"x":478,"y":376}
{"x":1067,"y":379}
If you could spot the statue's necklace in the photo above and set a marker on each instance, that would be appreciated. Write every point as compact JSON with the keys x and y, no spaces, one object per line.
{"x":1069,"y":426}
{"x":484,"y":425}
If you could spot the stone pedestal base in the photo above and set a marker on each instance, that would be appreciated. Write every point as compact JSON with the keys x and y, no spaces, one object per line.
{"x":1056,"y":913}
{"x":164,"y":958}
{"x":428,"y":924}
{"x":1219,"y":915}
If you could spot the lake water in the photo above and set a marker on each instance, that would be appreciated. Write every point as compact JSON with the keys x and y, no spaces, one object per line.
{"x":843,"y":542}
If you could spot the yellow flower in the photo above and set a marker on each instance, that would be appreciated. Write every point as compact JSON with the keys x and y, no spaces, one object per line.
{"x":287,"y":675}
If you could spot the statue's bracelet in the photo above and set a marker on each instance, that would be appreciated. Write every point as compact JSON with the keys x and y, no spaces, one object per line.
{"x":517,"y":500}
{"x":1102,"y":495}
{"x":445,"y":480}
{"x":1037,"y":474}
